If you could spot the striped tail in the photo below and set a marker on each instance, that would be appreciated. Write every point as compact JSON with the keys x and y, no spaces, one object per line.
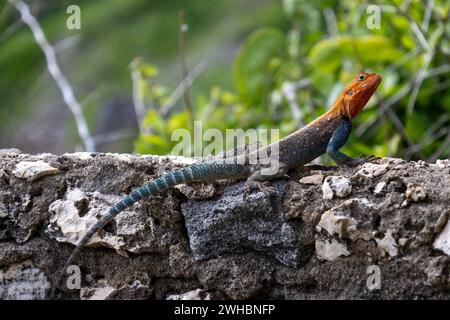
{"x":198,"y":172}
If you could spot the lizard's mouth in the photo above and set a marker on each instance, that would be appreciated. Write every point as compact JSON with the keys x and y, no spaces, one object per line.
{"x":373,"y":83}
{"x":377,"y":79}
{"x":368,"y":88}
{"x":366,"y":91}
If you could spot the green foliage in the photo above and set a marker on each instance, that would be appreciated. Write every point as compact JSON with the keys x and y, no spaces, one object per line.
{"x":282,"y":44}
{"x":271,"y":58}
{"x":257,"y":62}
{"x":327,"y":55}
{"x":161,"y":131}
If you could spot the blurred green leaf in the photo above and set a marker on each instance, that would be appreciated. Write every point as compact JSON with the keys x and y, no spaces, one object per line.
{"x":148,"y":70}
{"x":154,"y":120}
{"x":178,"y":121}
{"x":415,"y":126}
{"x":256,"y":63}
{"x":327,"y":55}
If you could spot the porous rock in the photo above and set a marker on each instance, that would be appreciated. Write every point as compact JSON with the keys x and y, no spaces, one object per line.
{"x":211,"y":241}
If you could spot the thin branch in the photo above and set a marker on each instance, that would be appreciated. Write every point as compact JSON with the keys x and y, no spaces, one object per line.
{"x":330,"y":22}
{"x":405,"y":4}
{"x":441,"y":87}
{"x":386,"y":104}
{"x":182,"y":29}
{"x":444,"y":147}
{"x":435,"y":126}
{"x":55,"y":71}
{"x":414,"y":28}
{"x":11,"y":30}
{"x":424,"y":142}
{"x":92,"y":96}
{"x":5,"y":12}
{"x":138,"y":100}
{"x":289,"y":91}
{"x":438,"y":70}
{"x":423,"y":71}
{"x":179,"y":91}
{"x":397,"y":123}
{"x":417,"y":83}
{"x":427,"y":15}
{"x":67,"y":43}
{"x":385,"y":107}
{"x":113,"y":136}
{"x":404,"y":59}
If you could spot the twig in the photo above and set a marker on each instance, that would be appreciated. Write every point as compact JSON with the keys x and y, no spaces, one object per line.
{"x":441,"y":86}
{"x":67,"y":43}
{"x":55,"y":71}
{"x":414,"y":27}
{"x":405,"y":4}
{"x":427,"y":15}
{"x":397,"y":123}
{"x":289,"y":90}
{"x":388,"y":103}
{"x":178,"y":93}
{"x":113,"y":136}
{"x":4,"y":12}
{"x":182,"y":28}
{"x":424,"y":142}
{"x":330,"y":22}
{"x":417,"y":83}
{"x":138,"y":101}
{"x":403,"y":59}
{"x":385,"y":106}
{"x":435,"y":38}
{"x":438,"y":70}
{"x":441,"y":149}
{"x":11,"y":30}
{"x":435,"y":126}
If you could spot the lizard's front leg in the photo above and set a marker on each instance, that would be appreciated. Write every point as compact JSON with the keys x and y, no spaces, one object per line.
{"x":260,"y":177}
{"x":338,"y":140}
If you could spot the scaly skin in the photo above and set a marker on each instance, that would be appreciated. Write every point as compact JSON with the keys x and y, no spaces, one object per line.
{"x":326,"y":134}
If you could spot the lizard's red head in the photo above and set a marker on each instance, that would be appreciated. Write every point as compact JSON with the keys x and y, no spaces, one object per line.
{"x":358,"y":92}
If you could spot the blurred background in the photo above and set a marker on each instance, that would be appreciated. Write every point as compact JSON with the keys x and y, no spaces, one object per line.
{"x":143,"y":68}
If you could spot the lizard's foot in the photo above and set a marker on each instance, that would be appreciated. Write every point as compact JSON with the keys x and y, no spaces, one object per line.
{"x":264,"y":186}
{"x":260,"y":179}
{"x":361,"y":160}
{"x":371,"y":158}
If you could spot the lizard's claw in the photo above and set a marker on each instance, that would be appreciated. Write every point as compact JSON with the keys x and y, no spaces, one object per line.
{"x":264,"y":186}
{"x":370,"y":158}
{"x":267,"y":188}
{"x":362,"y":160}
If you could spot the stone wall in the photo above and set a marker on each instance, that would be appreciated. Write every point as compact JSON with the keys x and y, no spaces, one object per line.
{"x":377,"y":231}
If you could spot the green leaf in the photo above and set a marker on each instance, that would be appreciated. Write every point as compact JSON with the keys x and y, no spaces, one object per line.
{"x":148,"y":70}
{"x":256,"y":63}
{"x":327,"y":55}
{"x":154,"y":140}
{"x":178,"y":121}
{"x":154,"y":120}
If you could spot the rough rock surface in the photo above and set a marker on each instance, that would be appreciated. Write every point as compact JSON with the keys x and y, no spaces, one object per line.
{"x":208,"y":241}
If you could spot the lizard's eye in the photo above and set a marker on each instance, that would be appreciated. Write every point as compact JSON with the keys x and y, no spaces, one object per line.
{"x":350,"y":92}
{"x":361,"y":77}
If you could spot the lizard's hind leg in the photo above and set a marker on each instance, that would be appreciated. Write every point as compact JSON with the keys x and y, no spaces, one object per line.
{"x":260,"y":179}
